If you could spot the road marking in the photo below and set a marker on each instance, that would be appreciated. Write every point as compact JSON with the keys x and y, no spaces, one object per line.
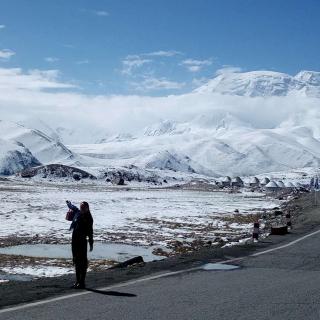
{"x":159,"y":276}
{"x":273,"y":249}
{"x":286,"y":245}
{"x":118,"y":285}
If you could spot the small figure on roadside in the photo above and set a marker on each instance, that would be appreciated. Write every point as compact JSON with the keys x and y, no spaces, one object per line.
{"x":255,"y":233}
{"x":82,"y":232}
{"x":288,"y":220}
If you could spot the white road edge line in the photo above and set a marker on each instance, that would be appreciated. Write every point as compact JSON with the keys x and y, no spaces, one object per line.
{"x":286,"y":245}
{"x":167,"y":274}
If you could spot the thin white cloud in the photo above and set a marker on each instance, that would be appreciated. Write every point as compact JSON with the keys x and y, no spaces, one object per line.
{"x":85,"y":61}
{"x":2,"y":26}
{"x":153,"y":83}
{"x":197,"y":82}
{"x":101,"y":13}
{"x":6,"y":54}
{"x":163,"y":53}
{"x":194,"y":65}
{"x":51,"y":59}
{"x":135,"y":61}
{"x":34,"y":80}
{"x":68,"y":45}
{"x":132,"y":62}
{"x":194,"y":68}
{"x":228,"y":69}
{"x":24,"y":94}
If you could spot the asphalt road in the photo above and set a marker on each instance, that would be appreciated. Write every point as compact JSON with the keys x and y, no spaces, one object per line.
{"x":283,"y":284}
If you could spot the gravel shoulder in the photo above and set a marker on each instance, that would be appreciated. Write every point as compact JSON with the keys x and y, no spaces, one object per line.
{"x":306,"y":218}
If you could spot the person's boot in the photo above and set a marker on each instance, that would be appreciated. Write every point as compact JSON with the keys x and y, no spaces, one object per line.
{"x":82,"y":283}
{"x":78,"y":278}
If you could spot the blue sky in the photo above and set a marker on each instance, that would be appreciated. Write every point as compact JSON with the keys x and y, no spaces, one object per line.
{"x":150,"y":47}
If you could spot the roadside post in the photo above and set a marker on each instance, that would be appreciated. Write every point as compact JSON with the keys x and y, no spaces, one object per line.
{"x":316,"y":189}
{"x":314,"y":186}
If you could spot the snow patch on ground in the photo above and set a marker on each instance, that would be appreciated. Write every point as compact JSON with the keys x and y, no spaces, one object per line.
{"x":38,"y":271}
{"x":3,"y":281}
{"x":130,"y":216}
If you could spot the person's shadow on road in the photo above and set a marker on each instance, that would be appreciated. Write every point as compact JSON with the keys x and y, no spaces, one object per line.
{"x":112,"y":293}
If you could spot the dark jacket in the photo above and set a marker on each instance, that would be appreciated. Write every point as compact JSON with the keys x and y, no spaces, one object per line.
{"x":82,"y":226}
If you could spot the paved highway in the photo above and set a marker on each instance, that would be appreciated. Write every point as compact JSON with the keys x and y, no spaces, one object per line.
{"x":282,"y":284}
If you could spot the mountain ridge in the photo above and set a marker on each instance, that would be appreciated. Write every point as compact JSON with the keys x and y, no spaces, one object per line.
{"x":213,"y":141}
{"x":263,"y":83}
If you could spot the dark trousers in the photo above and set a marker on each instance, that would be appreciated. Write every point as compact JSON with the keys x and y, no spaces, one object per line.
{"x":80,"y":259}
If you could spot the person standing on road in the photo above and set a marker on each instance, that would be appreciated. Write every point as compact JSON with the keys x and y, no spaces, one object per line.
{"x":82,"y":232}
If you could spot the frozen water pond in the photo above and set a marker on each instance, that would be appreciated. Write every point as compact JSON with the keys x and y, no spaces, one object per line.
{"x":117,"y":252}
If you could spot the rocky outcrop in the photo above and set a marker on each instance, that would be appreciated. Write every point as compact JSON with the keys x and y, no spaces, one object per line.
{"x":56,"y":171}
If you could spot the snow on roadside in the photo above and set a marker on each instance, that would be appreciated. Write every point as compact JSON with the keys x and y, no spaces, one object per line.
{"x":38,"y":271}
{"x":3,"y":281}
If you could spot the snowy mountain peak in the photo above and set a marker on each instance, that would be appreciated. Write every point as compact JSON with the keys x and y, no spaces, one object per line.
{"x":117,"y":138}
{"x":219,"y":119}
{"x":42,"y":147}
{"x":15,"y":157}
{"x":167,"y":160}
{"x":163,"y":127}
{"x":263,"y":83}
{"x":309,"y":77}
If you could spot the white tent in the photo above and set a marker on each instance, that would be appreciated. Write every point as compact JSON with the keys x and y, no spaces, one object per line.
{"x":281,"y":184}
{"x":254,"y":182}
{"x":237,"y":182}
{"x":265,"y":181}
{"x":272,"y":186}
{"x":226,"y":181}
{"x":289,"y":185}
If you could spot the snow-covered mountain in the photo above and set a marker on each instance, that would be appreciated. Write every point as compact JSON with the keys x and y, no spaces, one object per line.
{"x":263,"y":83}
{"x":15,"y":157}
{"x":39,"y":125}
{"x":68,"y":132}
{"x":212,"y":146}
{"x":22,"y":147}
{"x":44,"y":148}
{"x":223,"y":138}
{"x":117,"y":137}
{"x":81,"y":134}
{"x":309,"y":77}
{"x":166,"y":160}
{"x":157,"y":129}
{"x":219,"y":146}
